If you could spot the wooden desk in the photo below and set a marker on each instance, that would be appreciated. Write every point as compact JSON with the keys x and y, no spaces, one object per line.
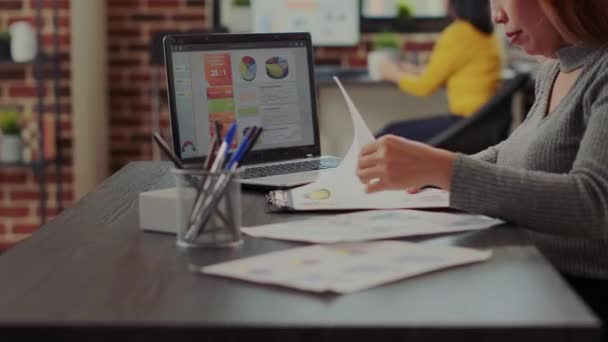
{"x":92,"y":274}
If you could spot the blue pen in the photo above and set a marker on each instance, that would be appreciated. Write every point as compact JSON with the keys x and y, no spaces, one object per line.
{"x":230,"y":136}
{"x":238,"y":154}
{"x":225,"y":148}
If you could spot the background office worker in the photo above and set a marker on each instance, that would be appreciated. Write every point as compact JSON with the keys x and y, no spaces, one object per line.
{"x":466,"y":60}
{"x":551,"y":175}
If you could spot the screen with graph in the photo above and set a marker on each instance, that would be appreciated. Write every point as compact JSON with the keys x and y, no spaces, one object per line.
{"x":257,"y":84}
{"x":330,"y":23}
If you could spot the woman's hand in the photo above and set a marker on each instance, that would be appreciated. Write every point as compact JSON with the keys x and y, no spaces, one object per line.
{"x":394,"y":72}
{"x":391,"y":71}
{"x":411,"y":69}
{"x":394,"y":163}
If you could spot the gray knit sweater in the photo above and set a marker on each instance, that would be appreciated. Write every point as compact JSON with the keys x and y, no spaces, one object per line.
{"x":551,"y":175}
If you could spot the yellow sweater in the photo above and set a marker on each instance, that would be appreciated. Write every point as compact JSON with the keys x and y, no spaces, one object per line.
{"x":465,"y":60}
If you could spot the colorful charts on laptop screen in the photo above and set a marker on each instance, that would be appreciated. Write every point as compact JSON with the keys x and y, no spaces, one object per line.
{"x":277,"y":68}
{"x":248,"y":68}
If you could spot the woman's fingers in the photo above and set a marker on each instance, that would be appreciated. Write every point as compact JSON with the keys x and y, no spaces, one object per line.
{"x":369,"y":174}
{"x":371,"y":154}
{"x":413,"y":191}
{"x":376,"y":186}
{"x":368,"y":149}
{"x":367,"y":162}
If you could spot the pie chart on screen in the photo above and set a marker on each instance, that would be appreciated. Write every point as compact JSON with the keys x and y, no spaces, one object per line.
{"x":248,"y":68}
{"x":277,"y":68}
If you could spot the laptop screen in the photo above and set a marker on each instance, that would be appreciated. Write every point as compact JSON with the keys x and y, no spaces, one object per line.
{"x":264,"y":83}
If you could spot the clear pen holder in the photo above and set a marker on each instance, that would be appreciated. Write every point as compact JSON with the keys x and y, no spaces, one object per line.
{"x":208,"y":208}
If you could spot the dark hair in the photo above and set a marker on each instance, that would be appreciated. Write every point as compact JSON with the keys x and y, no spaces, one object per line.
{"x":585,"y":20}
{"x":476,"y":12}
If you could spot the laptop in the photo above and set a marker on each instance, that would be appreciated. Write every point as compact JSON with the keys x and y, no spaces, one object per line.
{"x":256,"y":79}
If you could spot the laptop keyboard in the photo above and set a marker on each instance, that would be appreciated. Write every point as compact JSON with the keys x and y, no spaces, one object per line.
{"x":282,"y":169}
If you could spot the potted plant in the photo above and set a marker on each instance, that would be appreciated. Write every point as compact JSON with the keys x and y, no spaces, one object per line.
{"x":385,"y":47}
{"x":5,"y":46}
{"x":404,"y":10}
{"x":10,"y":142}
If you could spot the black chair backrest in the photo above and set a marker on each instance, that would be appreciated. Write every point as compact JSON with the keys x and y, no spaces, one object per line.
{"x":487,"y":127}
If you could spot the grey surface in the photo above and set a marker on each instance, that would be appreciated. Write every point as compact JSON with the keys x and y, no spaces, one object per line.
{"x":93,"y":268}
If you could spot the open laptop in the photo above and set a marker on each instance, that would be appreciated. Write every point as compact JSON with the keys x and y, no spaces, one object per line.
{"x":256,"y":79}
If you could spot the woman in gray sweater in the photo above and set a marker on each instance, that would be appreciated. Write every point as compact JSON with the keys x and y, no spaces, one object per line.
{"x":551,"y":175}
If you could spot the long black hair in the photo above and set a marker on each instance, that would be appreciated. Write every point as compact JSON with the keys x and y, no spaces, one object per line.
{"x":476,"y":12}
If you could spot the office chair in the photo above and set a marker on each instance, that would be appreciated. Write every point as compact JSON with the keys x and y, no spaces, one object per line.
{"x":487,"y":127}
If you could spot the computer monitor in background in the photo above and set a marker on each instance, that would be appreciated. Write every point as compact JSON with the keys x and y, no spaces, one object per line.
{"x":387,"y":9}
{"x":330,"y":22}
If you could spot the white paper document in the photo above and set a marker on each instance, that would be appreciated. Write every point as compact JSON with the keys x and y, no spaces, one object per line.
{"x":344,"y":268}
{"x":371,"y":225}
{"x":341,"y":189}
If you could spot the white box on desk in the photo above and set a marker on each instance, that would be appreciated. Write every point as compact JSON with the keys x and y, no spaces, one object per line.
{"x":158,"y":209}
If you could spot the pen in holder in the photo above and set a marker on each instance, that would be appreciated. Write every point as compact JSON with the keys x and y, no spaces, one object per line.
{"x":214,"y":219}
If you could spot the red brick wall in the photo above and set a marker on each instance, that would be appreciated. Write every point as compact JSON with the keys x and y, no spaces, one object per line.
{"x":131,"y":24}
{"x":19,"y":193}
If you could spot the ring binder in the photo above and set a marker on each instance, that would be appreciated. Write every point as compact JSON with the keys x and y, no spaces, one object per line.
{"x":279,"y":200}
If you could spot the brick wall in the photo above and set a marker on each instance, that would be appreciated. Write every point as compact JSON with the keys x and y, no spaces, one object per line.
{"x":19,"y":193}
{"x":131,"y":24}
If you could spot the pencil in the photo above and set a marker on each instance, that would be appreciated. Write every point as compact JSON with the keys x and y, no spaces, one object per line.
{"x":167,"y":151}
{"x":213,"y":147}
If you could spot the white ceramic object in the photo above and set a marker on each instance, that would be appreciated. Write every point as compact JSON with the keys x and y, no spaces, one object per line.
{"x":23,"y":42}
{"x":10,"y":148}
{"x":376,"y":58}
{"x":158,"y":210}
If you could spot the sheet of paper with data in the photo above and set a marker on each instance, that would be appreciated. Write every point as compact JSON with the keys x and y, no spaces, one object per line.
{"x":345,"y":268}
{"x":341,"y":189}
{"x":372,"y":225}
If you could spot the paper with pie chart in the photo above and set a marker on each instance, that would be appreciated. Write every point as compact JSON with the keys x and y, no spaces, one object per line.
{"x":372,"y":225}
{"x":341,"y":189}
{"x":346,"y":268}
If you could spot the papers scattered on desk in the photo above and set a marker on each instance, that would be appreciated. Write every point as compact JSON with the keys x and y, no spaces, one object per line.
{"x":371,"y":225}
{"x":345,"y":268}
{"x":341,"y":189}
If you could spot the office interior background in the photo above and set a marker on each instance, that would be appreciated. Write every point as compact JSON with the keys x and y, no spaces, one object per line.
{"x":89,"y":100}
